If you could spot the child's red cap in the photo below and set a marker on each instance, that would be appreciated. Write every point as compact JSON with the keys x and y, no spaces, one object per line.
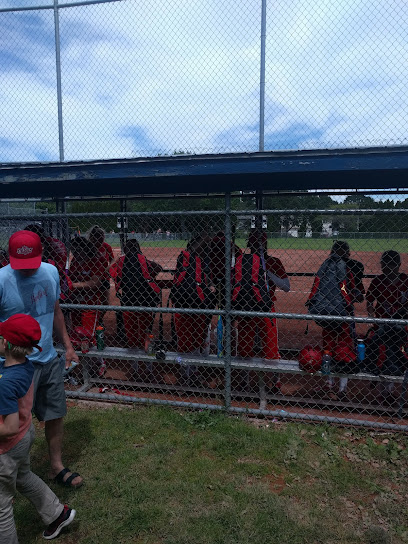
{"x":21,"y":330}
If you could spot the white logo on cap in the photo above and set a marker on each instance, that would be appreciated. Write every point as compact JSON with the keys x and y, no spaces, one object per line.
{"x":24,"y":250}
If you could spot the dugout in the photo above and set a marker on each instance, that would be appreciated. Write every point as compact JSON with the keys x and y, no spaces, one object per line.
{"x":340,"y":172}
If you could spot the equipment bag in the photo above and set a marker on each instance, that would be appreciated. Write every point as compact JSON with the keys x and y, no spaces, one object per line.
{"x":138,"y":286}
{"x":189,"y":289}
{"x":249,"y":287}
{"x":330,"y":292}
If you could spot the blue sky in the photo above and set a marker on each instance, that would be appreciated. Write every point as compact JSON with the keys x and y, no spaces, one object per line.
{"x":143,"y":78}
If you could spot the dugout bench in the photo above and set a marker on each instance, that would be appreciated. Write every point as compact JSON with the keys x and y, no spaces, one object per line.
{"x":261,"y":367}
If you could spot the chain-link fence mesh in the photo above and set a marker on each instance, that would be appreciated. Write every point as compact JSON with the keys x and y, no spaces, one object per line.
{"x":295,"y":313}
{"x":144,"y":79}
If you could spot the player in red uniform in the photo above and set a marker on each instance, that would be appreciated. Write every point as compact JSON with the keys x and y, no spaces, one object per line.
{"x":116,"y":272}
{"x":53,"y":249}
{"x":97,"y":237}
{"x":191,"y":329}
{"x":137,"y":324}
{"x":87,"y":272}
{"x":338,"y":338}
{"x":55,"y":253}
{"x":267,"y":328}
{"x":387,"y":297}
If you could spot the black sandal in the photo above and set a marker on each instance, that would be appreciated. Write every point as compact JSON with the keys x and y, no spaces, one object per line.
{"x":59,"y":478}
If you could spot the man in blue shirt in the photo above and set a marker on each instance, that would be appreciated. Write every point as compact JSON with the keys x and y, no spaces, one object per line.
{"x":32,"y":287}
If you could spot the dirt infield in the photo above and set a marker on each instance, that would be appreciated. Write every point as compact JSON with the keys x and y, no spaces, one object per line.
{"x":291,"y":332}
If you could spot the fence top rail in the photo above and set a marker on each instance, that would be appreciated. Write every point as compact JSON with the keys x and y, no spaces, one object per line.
{"x":214,"y":311}
{"x":57,"y":5}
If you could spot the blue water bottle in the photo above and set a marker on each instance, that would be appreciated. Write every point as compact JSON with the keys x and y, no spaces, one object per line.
{"x":360,"y":350}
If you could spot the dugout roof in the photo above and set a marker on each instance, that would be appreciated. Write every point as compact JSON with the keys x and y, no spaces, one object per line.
{"x":384,"y":168}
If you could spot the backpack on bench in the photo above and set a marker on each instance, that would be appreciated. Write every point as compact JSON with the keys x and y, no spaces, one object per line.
{"x":330,"y":294}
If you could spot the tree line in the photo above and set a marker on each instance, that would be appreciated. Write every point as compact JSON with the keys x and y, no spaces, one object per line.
{"x":304,"y":221}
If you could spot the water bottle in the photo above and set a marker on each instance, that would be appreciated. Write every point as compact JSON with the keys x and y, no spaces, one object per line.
{"x":326,"y":363}
{"x":361,"y":350}
{"x":180,"y":361}
{"x":100,"y":338}
{"x":85,"y":345}
{"x":101,"y":368}
{"x":71,"y":367}
{"x":206,"y":345}
{"x":149,"y":350}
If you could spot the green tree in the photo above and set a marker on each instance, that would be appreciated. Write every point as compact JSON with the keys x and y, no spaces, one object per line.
{"x":361,"y":201}
{"x":93,"y":207}
{"x":302,"y":215}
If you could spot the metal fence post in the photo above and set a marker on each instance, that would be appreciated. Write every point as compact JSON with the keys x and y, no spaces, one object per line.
{"x":262,"y":80}
{"x":227,"y":325}
{"x":123,"y":229}
{"x":59,"y":84}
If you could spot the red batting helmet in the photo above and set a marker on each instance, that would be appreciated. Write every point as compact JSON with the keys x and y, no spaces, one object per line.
{"x":310,"y":358}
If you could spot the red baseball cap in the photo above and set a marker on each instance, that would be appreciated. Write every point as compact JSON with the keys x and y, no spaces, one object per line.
{"x":21,"y":330}
{"x":25,"y":250}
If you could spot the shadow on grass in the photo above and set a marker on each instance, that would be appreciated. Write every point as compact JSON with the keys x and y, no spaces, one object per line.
{"x":77,"y":434}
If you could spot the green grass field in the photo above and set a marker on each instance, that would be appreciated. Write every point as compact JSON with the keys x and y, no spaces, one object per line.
{"x":166,"y":476}
{"x":363,"y":244}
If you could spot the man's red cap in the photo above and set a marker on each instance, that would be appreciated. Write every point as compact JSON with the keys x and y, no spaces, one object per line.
{"x":21,"y":330}
{"x":25,"y":250}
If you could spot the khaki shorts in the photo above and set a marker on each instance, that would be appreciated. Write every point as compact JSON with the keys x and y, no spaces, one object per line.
{"x":49,"y":393}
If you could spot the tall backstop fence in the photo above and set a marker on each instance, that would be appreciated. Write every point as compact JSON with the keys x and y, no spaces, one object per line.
{"x":297,"y":314}
{"x":100,"y":79}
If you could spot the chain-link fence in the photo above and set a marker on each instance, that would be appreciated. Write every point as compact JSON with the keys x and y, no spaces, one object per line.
{"x":292,"y":313}
{"x":110,"y":79}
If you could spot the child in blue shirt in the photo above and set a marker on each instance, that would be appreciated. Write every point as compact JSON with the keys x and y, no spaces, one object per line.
{"x":18,"y":336}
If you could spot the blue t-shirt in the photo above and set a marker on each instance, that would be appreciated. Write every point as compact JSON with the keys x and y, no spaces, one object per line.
{"x":35,"y":295}
{"x":15,"y":381}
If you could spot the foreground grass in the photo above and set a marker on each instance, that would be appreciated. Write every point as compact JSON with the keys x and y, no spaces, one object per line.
{"x":161,"y":476}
